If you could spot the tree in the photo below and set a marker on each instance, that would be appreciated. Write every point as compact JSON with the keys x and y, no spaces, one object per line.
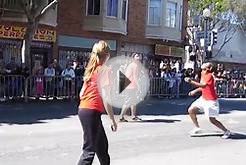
{"x":227,"y":15}
{"x":34,"y":11}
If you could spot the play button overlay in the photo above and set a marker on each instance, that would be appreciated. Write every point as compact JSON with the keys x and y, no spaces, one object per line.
{"x":123,"y":81}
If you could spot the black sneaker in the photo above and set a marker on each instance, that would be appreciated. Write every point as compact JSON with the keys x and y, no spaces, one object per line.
{"x":123,"y":120}
{"x":136,"y":118}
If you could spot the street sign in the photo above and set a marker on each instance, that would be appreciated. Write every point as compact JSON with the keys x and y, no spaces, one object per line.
{"x":200,"y":35}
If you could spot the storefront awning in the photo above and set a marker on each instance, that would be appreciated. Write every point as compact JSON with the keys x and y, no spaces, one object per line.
{"x":81,"y":42}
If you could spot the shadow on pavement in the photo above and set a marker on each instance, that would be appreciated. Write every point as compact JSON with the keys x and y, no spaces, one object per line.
{"x":228,"y":105}
{"x":180,"y":106}
{"x":160,"y":121}
{"x":238,"y":136}
{"x":36,"y":112}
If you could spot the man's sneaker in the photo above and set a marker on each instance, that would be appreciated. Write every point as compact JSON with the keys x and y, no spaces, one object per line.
{"x":195,"y":131}
{"x":123,"y":120}
{"x":135,"y":118}
{"x":226,"y":135}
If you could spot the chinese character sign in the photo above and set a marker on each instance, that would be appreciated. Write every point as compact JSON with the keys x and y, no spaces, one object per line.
{"x":18,"y":32}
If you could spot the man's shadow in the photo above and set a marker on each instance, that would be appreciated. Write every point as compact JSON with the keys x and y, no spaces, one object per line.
{"x":233,"y":136}
{"x":157,"y":121}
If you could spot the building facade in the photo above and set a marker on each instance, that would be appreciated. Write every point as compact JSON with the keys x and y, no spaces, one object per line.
{"x":154,"y":28}
{"x":232,"y":55}
{"x":13,"y":23}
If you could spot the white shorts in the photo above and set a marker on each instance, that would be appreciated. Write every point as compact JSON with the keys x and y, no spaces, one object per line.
{"x":209,"y":107}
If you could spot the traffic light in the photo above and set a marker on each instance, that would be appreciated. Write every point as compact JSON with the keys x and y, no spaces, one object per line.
{"x":190,"y":49}
{"x":208,"y":54}
{"x":214,"y":36}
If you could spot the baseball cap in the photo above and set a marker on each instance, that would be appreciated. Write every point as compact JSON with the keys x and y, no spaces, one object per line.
{"x":206,"y":65}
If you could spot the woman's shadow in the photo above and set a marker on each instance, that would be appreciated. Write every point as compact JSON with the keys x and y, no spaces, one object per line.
{"x":237,"y":136}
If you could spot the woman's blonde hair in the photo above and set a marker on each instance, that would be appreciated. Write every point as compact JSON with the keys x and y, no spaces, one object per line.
{"x":99,"y":53}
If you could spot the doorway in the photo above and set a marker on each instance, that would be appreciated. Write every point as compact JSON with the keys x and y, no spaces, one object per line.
{"x":39,"y":56}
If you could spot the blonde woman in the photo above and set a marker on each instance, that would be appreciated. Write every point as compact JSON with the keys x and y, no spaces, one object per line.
{"x":92,"y":106}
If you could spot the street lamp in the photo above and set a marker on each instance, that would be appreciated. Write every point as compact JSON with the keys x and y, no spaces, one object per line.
{"x":206,"y":15}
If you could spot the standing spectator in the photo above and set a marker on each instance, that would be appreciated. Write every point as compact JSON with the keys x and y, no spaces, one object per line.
{"x":178,"y":77}
{"x":69,"y":75}
{"x":171,"y":83}
{"x":39,"y":82}
{"x":177,"y":66}
{"x":2,"y":81}
{"x":79,"y":73}
{"x":49,"y":74}
{"x":37,"y":67}
{"x":11,"y":69}
{"x":57,"y":68}
{"x":25,"y":71}
{"x":58,"y":81}
{"x":38,"y":79}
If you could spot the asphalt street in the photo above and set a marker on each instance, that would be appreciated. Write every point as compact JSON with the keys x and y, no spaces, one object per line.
{"x":41,"y":133}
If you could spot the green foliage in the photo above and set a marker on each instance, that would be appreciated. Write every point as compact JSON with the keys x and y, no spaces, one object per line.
{"x":234,"y":9}
{"x":216,"y":6}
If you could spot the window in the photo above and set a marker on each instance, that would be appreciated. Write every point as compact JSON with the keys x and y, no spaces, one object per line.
{"x":124,"y":9}
{"x":155,"y":12}
{"x":112,"y":9}
{"x":11,"y":4}
{"x":69,"y":55}
{"x":181,"y":18}
{"x":93,"y":7}
{"x":171,"y":14}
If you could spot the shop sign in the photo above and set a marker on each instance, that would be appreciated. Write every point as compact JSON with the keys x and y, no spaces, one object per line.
{"x":162,"y":50}
{"x":177,"y":51}
{"x":18,"y":32}
{"x":165,"y":50}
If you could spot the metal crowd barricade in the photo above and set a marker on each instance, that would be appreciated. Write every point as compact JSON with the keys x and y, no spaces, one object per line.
{"x":231,"y":88}
{"x":174,"y":88}
{"x":56,"y":87}
{"x":11,"y":87}
{"x":224,"y":88}
{"x":158,"y":87}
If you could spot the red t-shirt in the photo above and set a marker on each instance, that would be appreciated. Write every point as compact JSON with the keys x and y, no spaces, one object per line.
{"x":208,"y":92}
{"x":91,"y":98}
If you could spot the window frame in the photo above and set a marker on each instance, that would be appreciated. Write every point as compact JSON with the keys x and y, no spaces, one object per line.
{"x":117,"y":12}
{"x":87,"y":8}
{"x":169,"y":15}
{"x":126,"y":10}
{"x":180,"y":18}
{"x":12,"y":5}
{"x":160,"y":13}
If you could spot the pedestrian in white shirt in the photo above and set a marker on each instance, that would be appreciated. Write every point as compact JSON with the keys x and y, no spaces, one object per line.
{"x":69,"y":76}
{"x":49,"y":74}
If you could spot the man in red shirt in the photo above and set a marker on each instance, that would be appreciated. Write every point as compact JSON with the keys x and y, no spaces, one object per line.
{"x":207,"y":103}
